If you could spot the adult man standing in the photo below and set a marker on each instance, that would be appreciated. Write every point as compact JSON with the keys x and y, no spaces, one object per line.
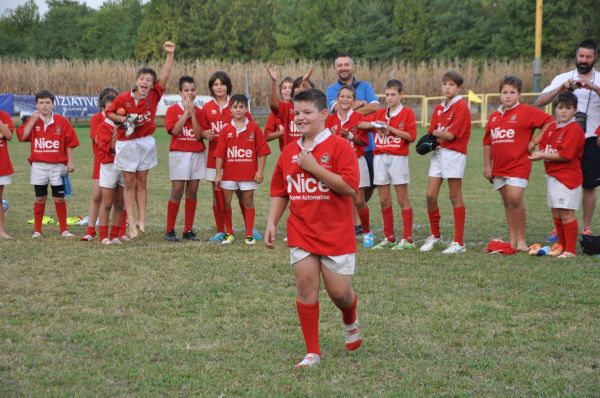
{"x":366,"y":102}
{"x":584,"y":81}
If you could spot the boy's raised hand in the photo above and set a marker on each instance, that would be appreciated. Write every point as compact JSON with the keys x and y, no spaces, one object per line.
{"x":169,"y":47}
{"x":272,"y":74}
{"x":307,"y":75}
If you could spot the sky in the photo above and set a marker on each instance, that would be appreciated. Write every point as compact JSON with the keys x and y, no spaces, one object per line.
{"x":4,"y":4}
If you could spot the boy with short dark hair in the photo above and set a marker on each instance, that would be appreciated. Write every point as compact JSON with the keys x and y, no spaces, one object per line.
{"x":240,"y":163}
{"x":451,"y":124}
{"x":318,"y":174}
{"x":52,"y":141}
{"x":561,"y":149}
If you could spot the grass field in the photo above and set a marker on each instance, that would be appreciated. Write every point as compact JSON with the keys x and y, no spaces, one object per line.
{"x":149,"y":318}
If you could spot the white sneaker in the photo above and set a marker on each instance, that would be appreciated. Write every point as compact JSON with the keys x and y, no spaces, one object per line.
{"x":105,"y":241}
{"x":36,"y":235}
{"x":115,"y":241}
{"x":309,"y":360}
{"x":430,"y":243}
{"x":352,"y":336}
{"x":454,"y":248}
{"x":124,"y":238}
{"x":66,"y":234}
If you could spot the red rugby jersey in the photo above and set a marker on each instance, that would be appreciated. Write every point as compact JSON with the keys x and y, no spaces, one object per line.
{"x":185,"y":141}
{"x":404,"y":119}
{"x":95,"y":121}
{"x":456,"y":118}
{"x":106,"y":154}
{"x":286,"y":114}
{"x":566,"y":139}
{"x":240,"y":150}
{"x":320,"y":220}
{"x":509,"y":132}
{"x":353,"y":118}
{"x":6,"y":167}
{"x":145,"y":108}
{"x":49,"y":143}
{"x":272,"y":126}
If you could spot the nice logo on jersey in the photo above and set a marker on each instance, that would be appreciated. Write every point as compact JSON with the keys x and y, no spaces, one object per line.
{"x":499,"y":133}
{"x":44,"y":144}
{"x":550,"y":149}
{"x":293,"y":127}
{"x":187,"y":132}
{"x":385,"y":139}
{"x":217,"y":126}
{"x":302,"y":184}
{"x":239,"y":153}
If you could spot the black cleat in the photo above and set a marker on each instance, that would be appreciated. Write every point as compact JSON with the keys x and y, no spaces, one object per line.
{"x":171,"y":237}
{"x":190,"y":235}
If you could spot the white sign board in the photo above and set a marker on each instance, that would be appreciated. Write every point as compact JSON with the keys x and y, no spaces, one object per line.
{"x":171,"y":99}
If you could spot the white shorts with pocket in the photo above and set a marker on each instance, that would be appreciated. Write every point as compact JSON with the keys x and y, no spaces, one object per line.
{"x":110,"y":176}
{"x":365,"y":180}
{"x":499,"y":182}
{"x":343,"y":265}
{"x":241,"y":185}
{"x":136,"y":155}
{"x":6,"y":180}
{"x":561,"y":197}
{"x":185,"y":166}
{"x":211,"y":174}
{"x":390,"y":169}
{"x":446,"y":163}
{"x":47,"y":173}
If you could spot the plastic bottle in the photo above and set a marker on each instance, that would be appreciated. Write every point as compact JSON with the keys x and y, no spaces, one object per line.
{"x":5,"y":204}
{"x":67,"y":185}
{"x":543,"y":251}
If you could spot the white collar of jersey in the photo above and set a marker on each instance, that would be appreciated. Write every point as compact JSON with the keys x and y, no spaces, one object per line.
{"x":239,"y":130}
{"x":322,"y":136}
{"x":448,"y":105}
{"x":47,"y":121}
{"x":561,"y":125}
{"x":180,"y":103}
{"x":389,"y":115}
{"x":224,"y":106}
{"x":502,"y":109}
{"x":109,"y":122}
{"x":350,"y":112}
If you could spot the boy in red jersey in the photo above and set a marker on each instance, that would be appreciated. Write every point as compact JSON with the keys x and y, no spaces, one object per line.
{"x":506,"y":142}
{"x":451,"y":124}
{"x":52,"y":141}
{"x":345,"y":124}
{"x":240,"y":159}
{"x":187,"y":159}
{"x":319,"y":175}
{"x":396,"y":129}
{"x":96,"y":198}
{"x":6,"y":168}
{"x":136,"y":148}
{"x":110,"y":180}
{"x":274,"y":126}
{"x":561,"y":149}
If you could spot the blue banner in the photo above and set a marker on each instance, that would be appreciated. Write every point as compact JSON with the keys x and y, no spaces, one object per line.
{"x":7,"y":103}
{"x":67,"y":106}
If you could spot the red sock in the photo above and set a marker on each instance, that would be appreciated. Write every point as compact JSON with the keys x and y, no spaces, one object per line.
{"x":102,"y":232}
{"x":249,"y":220}
{"x":61,"y":214}
{"x":459,"y":224}
{"x":309,"y":323}
{"x":388,"y":223}
{"x":114,"y":231}
{"x":190,"y":214}
{"x":228,"y":221}
{"x":38,"y":214}
{"x":123,"y":226}
{"x":407,"y":223}
{"x":570,"y":232}
{"x":349,"y":313}
{"x":560,"y":232}
{"x":218,"y":219}
{"x":365,"y":219}
{"x":172,"y":210}
{"x":91,"y":230}
{"x":434,"y":222}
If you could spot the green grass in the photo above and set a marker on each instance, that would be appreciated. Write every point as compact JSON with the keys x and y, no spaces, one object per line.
{"x":150,"y":318}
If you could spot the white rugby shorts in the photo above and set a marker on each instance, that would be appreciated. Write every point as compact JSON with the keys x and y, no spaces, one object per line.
{"x":499,"y":182}
{"x":390,"y":169}
{"x":110,"y":176}
{"x":136,"y":155}
{"x":241,"y":185}
{"x":561,"y":197}
{"x":211,"y":174}
{"x":365,"y":180}
{"x":47,"y":173}
{"x":343,"y":265}
{"x":6,"y":180}
{"x":185,"y":166}
{"x":446,"y":163}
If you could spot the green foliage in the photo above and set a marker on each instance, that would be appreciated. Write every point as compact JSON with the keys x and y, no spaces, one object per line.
{"x":278,"y":30}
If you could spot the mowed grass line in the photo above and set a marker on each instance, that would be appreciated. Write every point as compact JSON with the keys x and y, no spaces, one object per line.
{"x":152,"y":318}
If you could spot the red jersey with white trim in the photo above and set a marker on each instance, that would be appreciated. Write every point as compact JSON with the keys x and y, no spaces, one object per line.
{"x":320,"y":220}
{"x":509,"y":132}
{"x":240,"y":150}
{"x":272,"y":126}
{"x":215,"y":119}
{"x":144,"y":107}
{"x":185,"y":141}
{"x":385,"y":142}
{"x":335,"y":124}
{"x":49,"y":143}
{"x":104,"y":135}
{"x":286,"y":114}
{"x":456,"y":119}
{"x":6,"y":167}
{"x":95,"y":121}
{"x":568,"y":140}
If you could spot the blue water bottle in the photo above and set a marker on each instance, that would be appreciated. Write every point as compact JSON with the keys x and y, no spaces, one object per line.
{"x":5,"y":205}
{"x":543,"y":251}
{"x":67,"y":185}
